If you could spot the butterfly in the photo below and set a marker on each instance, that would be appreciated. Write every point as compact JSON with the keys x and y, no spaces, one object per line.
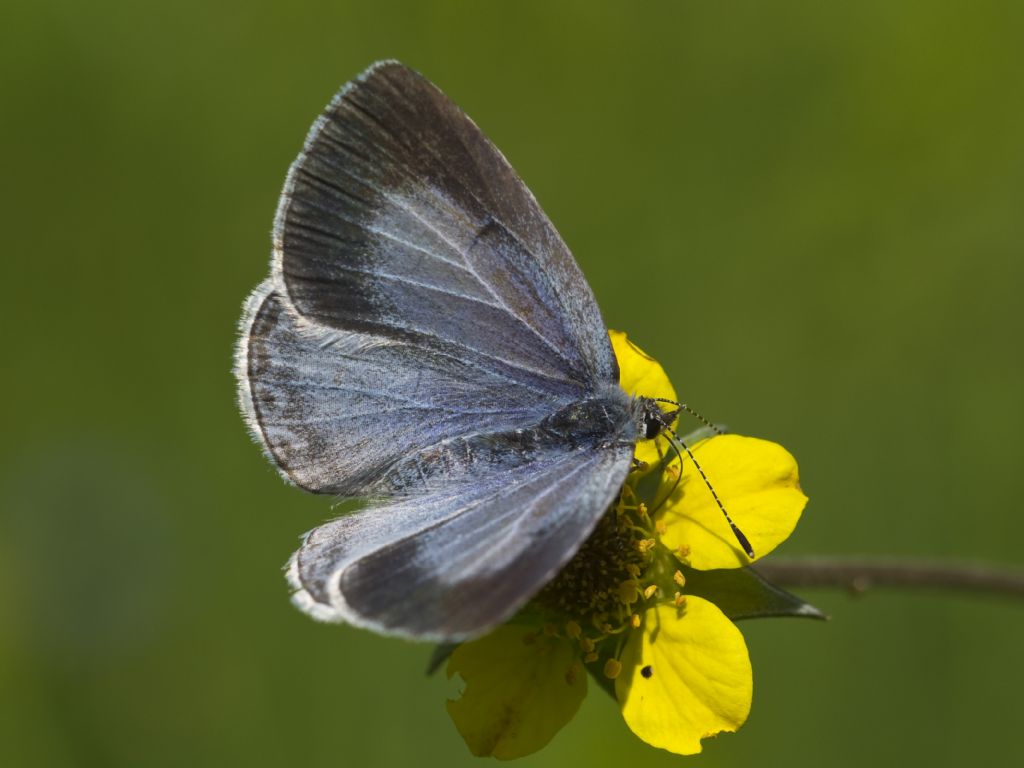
{"x":425,"y":341}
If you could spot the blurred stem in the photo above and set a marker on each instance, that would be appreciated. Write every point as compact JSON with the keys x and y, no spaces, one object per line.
{"x":858,"y":575}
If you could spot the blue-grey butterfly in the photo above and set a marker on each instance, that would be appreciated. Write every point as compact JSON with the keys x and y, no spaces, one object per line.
{"x":426,"y":341}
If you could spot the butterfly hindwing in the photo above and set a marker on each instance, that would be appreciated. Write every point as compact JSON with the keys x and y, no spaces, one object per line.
{"x":456,"y":562}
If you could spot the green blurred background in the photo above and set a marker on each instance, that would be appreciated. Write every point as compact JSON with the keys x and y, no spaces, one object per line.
{"x":810,"y":212}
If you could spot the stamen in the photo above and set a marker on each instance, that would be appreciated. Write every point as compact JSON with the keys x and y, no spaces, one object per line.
{"x":612,"y":668}
{"x":596,"y":595}
{"x":679,"y":579}
{"x":604,"y":575}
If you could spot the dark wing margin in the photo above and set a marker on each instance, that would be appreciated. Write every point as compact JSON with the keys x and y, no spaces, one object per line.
{"x":453,"y":564}
{"x":401,"y":220}
{"x":334,"y":409}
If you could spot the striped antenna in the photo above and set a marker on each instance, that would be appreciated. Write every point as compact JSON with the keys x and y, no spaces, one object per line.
{"x":689,"y":410}
{"x":743,"y":541}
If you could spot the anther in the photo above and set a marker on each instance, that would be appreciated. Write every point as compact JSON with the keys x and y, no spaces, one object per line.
{"x":645,"y":545}
{"x":678,"y":578}
{"x":573,"y":630}
{"x":651,"y":589}
{"x":612,"y":668}
{"x":634,"y":620}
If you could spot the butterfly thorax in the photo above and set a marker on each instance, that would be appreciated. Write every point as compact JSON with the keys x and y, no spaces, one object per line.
{"x":601,"y":421}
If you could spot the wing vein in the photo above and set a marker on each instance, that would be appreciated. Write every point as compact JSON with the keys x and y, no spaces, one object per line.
{"x":366,"y":226}
{"x":483,"y":283}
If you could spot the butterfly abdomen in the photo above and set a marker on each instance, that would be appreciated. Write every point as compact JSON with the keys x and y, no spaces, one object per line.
{"x":590,"y":424}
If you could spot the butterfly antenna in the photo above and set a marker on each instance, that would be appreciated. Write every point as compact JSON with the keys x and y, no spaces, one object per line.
{"x":689,"y":410}
{"x":743,"y":541}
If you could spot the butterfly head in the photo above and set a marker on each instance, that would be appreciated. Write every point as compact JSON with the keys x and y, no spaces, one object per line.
{"x":653,"y":420}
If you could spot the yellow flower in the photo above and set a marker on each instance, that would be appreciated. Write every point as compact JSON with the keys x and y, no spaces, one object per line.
{"x":620,"y":609}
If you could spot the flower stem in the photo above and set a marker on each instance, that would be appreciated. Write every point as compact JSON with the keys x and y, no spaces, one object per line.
{"x":858,"y":574}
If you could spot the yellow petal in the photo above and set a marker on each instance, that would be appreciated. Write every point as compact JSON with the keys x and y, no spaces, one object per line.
{"x":521,"y":687}
{"x":759,"y":485}
{"x":642,"y":375}
{"x":686,"y":676}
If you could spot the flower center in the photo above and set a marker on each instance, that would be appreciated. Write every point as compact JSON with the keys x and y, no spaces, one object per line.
{"x":598,"y":587}
{"x":621,"y":570}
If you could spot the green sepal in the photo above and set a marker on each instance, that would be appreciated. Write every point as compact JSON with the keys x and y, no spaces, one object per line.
{"x":742,"y":593}
{"x":439,"y":656}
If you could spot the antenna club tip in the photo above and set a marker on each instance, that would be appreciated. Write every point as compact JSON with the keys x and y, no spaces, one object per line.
{"x":744,"y":542}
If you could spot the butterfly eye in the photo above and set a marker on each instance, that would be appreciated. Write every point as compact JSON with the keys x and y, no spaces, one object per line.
{"x":652,"y":426}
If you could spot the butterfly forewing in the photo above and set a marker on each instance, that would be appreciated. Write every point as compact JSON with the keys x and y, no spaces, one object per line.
{"x":388,"y":223}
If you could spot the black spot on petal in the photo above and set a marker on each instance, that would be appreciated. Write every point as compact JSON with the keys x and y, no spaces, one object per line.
{"x":647,"y":672}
